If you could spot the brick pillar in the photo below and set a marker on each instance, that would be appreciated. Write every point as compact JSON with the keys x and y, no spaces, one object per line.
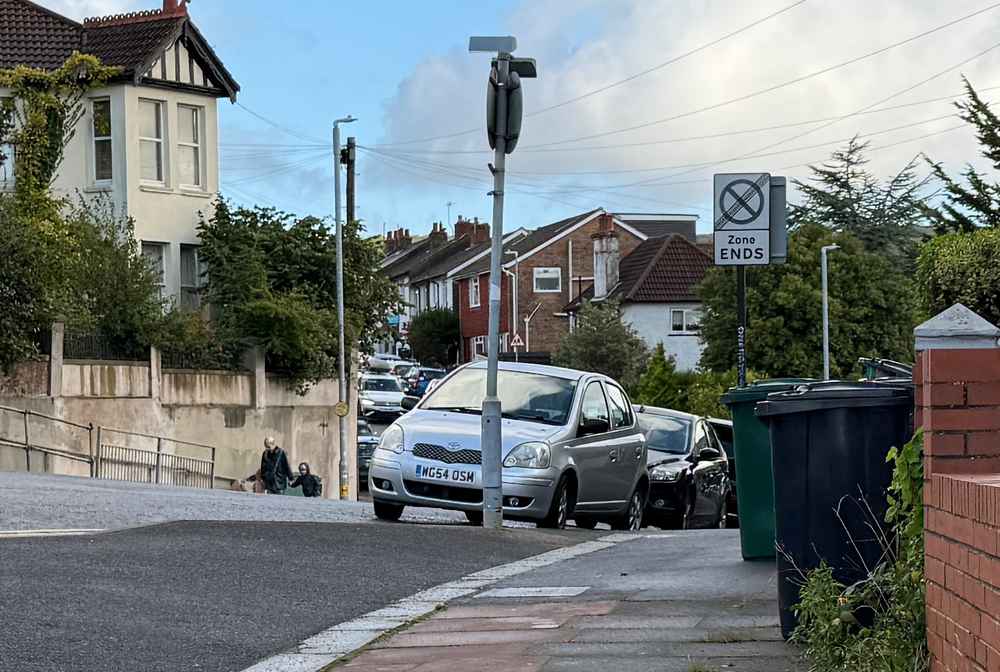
{"x":56,"y":359}
{"x":958,"y":392}
{"x":957,"y":381}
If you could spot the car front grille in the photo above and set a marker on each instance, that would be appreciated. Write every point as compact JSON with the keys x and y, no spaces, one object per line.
{"x":445,"y":492}
{"x":430,"y":451}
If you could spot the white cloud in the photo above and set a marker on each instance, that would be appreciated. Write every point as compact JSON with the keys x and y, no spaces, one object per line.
{"x":80,"y":9}
{"x":446,"y":94}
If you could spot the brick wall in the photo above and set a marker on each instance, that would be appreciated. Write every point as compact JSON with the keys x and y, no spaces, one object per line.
{"x":958,"y":403}
{"x":474,"y":321}
{"x":547,"y":328}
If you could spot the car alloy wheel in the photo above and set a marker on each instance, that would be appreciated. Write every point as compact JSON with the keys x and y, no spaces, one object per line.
{"x":560,"y":508}
{"x":635,"y":507}
{"x":724,"y":515}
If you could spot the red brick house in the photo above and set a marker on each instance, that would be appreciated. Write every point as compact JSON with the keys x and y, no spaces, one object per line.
{"x":543,"y":272}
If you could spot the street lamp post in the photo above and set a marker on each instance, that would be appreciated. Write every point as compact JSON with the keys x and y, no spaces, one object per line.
{"x":826,"y":310}
{"x":342,"y":373}
{"x":503,"y":127}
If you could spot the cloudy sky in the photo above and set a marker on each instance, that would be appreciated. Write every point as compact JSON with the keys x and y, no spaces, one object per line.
{"x":711,"y":88}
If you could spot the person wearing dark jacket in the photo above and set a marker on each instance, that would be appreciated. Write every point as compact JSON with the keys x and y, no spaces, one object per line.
{"x":274,"y":469}
{"x":311,"y":486}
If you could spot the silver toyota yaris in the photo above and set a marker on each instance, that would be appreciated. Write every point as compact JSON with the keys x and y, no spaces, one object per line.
{"x":571,"y":449}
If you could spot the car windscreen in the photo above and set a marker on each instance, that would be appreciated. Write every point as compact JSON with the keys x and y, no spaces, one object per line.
{"x":535,"y":397}
{"x":381,"y":385}
{"x":665,"y":434}
{"x":431,"y":374}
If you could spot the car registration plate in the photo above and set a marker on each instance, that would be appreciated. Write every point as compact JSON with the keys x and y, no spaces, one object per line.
{"x":445,"y":474}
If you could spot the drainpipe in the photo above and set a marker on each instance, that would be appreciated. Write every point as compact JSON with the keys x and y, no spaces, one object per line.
{"x":527,"y":332}
{"x":514,"y":282}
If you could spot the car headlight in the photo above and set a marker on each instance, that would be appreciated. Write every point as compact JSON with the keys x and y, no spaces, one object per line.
{"x":531,"y":455}
{"x":392,"y":439}
{"x":366,"y":402}
{"x":665,"y":473}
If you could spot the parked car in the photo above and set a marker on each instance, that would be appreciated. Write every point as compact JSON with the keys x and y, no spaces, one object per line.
{"x":402,"y":370}
{"x":572,"y":448}
{"x":688,"y":470}
{"x":419,"y":378}
{"x":367,"y":442}
{"x":724,"y":431}
{"x":382,"y":362}
{"x":380,"y":395}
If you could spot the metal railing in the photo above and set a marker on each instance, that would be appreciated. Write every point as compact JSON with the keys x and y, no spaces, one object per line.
{"x":24,"y":442}
{"x":152,"y":464}
{"x":92,"y":346}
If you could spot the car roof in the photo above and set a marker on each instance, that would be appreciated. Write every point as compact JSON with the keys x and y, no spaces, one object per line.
{"x":656,"y":410}
{"x":378,"y":376}
{"x":543,"y":369}
{"x":720,"y":421}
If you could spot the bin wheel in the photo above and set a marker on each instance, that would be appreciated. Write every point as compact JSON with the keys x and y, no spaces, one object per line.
{"x":387,"y":510}
{"x":474,"y":517}
{"x":724,"y":515}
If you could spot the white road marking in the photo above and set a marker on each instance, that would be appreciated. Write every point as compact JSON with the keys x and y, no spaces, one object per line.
{"x":324,"y":648}
{"x":27,"y":534}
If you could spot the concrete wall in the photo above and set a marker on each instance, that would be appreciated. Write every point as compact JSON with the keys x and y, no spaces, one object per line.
{"x":652,"y":322}
{"x":958,"y":404}
{"x":221,"y":409}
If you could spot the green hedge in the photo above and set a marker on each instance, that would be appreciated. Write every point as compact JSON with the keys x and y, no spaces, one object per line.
{"x":961,"y":268}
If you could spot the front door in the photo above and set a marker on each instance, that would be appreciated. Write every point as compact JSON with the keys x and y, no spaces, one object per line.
{"x":593,"y":452}
{"x":627,"y":441}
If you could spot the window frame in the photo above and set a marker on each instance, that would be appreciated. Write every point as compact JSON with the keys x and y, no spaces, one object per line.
{"x":535,"y":276}
{"x":583,"y":403}
{"x":474,"y":294}
{"x":94,"y":139}
{"x":627,"y":407}
{"x":476,"y":341}
{"x":198,"y":145}
{"x":186,"y":289}
{"x":8,"y":184}
{"x":162,"y":279}
{"x":160,"y":142}
{"x":686,"y":322}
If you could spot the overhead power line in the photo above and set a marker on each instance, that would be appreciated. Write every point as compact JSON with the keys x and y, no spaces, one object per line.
{"x":775,"y":87}
{"x":280,"y":127}
{"x":620,"y":82}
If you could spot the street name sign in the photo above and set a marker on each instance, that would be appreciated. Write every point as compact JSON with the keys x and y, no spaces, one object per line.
{"x":742,"y":216}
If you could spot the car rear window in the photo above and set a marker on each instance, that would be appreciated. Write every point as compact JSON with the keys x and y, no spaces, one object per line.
{"x":381,"y":385}
{"x":527,"y":396}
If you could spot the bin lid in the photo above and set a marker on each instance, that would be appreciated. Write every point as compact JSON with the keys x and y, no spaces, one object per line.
{"x":835,"y":394}
{"x":759,"y":389}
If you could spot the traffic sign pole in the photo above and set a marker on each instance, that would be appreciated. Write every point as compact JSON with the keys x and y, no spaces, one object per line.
{"x":741,"y":328}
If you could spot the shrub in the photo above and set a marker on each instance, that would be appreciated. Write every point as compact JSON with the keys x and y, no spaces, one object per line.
{"x":434,"y":334}
{"x":961,"y":268}
{"x":892,"y":595}
{"x":602,"y":343}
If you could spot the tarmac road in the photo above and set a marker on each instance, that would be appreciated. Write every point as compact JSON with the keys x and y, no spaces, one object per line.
{"x":219,"y":596}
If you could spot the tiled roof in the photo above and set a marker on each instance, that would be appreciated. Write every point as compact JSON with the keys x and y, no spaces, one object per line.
{"x":33,"y":35}
{"x":455,"y":253}
{"x":40,"y":38}
{"x":405,"y":261}
{"x":132,"y":45}
{"x":659,"y":270}
{"x":529,"y":242}
{"x":662,"y":270}
{"x":660,"y":228}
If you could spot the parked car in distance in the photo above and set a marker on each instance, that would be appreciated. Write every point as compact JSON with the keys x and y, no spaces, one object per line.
{"x":380,"y":395}
{"x":382,"y":361}
{"x":420,"y":377}
{"x":402,"y":370}
{"x":688,"y":470}
{"x":724,"y":431}
{"x":367,"y":442}
{"x":572,"y":448}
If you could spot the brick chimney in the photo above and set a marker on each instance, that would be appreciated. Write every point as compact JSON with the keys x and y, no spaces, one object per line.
{"x":477,"y":232}
{"x":606,"y":256}
{"x":175,"y":7}
{"x":438,"y":235}
{"x":397,"y":240}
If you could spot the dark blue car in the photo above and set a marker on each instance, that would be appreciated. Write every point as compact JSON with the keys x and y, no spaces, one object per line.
{"x":420,"y":378}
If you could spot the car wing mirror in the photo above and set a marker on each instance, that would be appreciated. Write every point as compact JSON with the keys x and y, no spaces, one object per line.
{"x":593,"y":426}
{"x":709,"y":454}
{"x":408,"y":403}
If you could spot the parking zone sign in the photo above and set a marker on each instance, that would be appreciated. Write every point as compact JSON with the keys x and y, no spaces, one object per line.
{"x":742,"y":219}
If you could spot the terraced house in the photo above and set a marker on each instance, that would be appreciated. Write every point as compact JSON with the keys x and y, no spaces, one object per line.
{"x":148,"y":140}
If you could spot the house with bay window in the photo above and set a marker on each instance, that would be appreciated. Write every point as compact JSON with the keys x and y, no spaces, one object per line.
{"x":148,"y":140}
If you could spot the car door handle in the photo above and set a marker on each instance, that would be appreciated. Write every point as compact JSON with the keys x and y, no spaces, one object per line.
{"x":613,"y":454}
{"x":637,"y":451}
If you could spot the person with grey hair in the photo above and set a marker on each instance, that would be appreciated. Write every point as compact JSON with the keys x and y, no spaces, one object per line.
{"x":274,"y":469}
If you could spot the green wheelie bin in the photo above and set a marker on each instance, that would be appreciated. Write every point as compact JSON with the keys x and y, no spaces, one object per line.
{"x":754,"y":477}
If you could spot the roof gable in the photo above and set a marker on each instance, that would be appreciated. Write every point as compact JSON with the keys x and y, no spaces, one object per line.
{"x":663,"y":270}
{"x":39,"y":38}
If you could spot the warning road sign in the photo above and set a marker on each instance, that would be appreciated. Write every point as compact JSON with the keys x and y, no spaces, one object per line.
{"x":742,"y":219}
{"x":516,"y":342}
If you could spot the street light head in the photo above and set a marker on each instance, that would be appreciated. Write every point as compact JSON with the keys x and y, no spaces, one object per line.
{"x":503,"y":45}
{"x":344,"y":120}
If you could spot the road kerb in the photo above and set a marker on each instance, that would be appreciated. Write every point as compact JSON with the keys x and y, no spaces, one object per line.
{"x":326,"y":649}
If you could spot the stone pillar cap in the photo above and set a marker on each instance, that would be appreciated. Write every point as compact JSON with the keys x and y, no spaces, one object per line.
{"x":956,"y":328}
